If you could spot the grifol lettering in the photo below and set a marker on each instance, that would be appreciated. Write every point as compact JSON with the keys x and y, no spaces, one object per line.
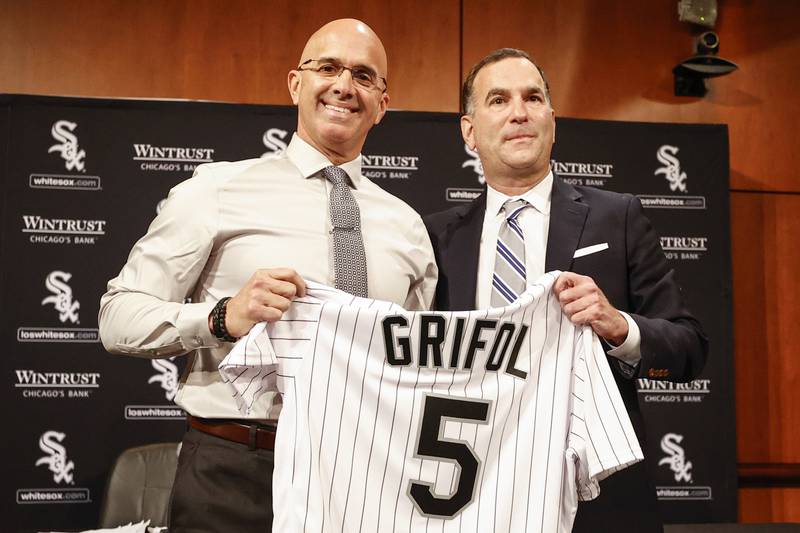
{"x":503,"y":353}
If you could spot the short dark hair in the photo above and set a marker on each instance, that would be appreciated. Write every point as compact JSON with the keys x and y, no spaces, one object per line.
{"x":494,"y":57}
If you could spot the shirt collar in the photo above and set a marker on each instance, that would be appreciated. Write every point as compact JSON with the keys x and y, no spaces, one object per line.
{"x":311,"y":161}
{"x":538,"y":196}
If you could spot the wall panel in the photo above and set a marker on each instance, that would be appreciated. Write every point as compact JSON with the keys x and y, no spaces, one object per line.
{"x":238,"y":51}
{"x":765,"y":230}
{"x":613,"y":60}
{"x":768,"y":505}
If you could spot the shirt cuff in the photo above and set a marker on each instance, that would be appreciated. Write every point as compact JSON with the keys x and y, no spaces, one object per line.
{"x":629,"y":352}
{"x":192,"y":325}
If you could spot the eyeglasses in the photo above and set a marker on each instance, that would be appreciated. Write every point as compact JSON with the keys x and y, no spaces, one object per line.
{"x":362,"y":76}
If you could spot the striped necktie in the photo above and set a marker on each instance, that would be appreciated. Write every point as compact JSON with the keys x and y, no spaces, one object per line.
{"x":349,"y":259}
{"x":508,"y":281}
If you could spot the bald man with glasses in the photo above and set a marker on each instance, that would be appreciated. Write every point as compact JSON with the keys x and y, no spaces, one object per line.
{"x":238,"y":240}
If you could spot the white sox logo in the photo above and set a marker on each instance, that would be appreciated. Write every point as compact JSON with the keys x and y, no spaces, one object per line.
{"x":671,"y":168}
{"x":68,"y":146}
{"x":167,"y":377}
{"x":675,"y":458}
{"x":56,"y":458}
{"x":475,"y":163}
{"x":56,"y":282}
{"x":273,"y":140}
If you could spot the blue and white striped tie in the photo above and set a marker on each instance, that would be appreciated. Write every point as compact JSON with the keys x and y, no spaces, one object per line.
{"x":508,"y":281}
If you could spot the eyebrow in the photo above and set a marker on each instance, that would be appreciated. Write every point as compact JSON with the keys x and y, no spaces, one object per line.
{"x":340,"y":62}
{"x":497,"y":91}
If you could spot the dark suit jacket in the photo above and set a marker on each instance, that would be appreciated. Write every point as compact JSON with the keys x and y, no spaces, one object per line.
{"x":633,"y":273}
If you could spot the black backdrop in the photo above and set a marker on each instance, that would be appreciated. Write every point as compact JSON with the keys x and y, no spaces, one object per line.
{"x":82,"y":179}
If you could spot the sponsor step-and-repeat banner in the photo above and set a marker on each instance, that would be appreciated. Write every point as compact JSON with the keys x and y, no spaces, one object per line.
{"x":83,"y":178}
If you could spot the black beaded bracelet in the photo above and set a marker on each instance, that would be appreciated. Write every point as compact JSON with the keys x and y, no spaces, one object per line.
{"x":218,"y":321}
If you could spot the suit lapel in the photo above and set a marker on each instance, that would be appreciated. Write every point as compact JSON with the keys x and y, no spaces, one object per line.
{"x":567,"y":218}
{"x":463,"y":253}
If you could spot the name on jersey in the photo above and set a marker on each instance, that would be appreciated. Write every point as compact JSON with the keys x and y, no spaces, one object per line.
{"x":496,"y":344}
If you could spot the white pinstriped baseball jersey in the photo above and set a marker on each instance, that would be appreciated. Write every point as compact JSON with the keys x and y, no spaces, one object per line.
{"x":494,"y":420}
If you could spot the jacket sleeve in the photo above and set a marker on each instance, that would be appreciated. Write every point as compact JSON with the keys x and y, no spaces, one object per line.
{"x":673,"y":344}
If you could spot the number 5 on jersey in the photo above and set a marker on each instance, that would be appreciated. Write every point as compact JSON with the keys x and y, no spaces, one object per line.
{"x":431,"y":444}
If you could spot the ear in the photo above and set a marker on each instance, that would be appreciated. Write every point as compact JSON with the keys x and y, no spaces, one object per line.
{"x":553,"y":118}
{"x":293,"y":81}
{"x":467,"y":131}
{"x":383,"y":105}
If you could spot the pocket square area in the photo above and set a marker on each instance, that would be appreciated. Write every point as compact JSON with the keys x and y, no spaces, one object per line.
{"x":593,"y":249}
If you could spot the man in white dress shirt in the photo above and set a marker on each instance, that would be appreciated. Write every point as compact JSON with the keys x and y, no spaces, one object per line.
{"x":237,"y":240}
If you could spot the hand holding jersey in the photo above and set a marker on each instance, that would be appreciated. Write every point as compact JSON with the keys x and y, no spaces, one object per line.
{"x":501,"y":419}
{"x":264,"y":298}
{"x":586,"y":304}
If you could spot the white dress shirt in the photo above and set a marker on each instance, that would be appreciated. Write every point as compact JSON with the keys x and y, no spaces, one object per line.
{"x":230,"y":219}
{"x":535,"y":224}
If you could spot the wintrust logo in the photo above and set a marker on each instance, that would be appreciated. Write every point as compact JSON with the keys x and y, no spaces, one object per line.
{"x":676,"y":457}
{"x":379,"y":166}
{"x":61,"y":299}
{"x":273,"y":140}
{"x":170,"y":158}
{"x":67,"y":145}
{"x":56,"y":457}
{"x":684,"y":247}
{"x":659,"y":391}
{"x":45,"y":230}
{"x":66,"y":306}
{"x":46,"y":385}
{"x":167,"y":376}
{"x":589,"y":174}
{"x":63,"y":470}
{"x":671,"y":168}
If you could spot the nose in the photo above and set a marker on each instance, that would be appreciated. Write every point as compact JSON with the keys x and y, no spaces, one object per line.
{"x":343,"y":84}
{"x":519,"y":113}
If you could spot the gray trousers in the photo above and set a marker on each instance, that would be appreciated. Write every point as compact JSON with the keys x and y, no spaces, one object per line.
{"x":221,"y":486}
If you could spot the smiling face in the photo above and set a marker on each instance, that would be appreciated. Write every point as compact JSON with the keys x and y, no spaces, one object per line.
{"x":335,"y":114}
{"x":511,"y":125}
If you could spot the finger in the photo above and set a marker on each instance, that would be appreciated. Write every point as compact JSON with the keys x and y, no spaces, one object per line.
{"x":277,"y":301}
{"x":564,"y":281}
{"x":290,"y":276}
{"x":267,"y":314}
{"x":575,"y":293}
{"x":589,"y":301}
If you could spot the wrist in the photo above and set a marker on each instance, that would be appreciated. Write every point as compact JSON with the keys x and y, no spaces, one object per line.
{"x":216,"y":321}
{"x":621,"y":333}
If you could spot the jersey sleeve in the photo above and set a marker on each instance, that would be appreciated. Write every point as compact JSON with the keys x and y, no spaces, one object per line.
{"x":250,"y":369}
{"x":601,"y":438}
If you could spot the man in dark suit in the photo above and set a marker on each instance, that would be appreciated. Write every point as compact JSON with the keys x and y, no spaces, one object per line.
{"x":616,"y":278}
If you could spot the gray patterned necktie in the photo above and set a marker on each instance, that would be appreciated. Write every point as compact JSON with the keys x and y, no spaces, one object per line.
{"x":349,"y":259}
{"x":508,"y":281}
